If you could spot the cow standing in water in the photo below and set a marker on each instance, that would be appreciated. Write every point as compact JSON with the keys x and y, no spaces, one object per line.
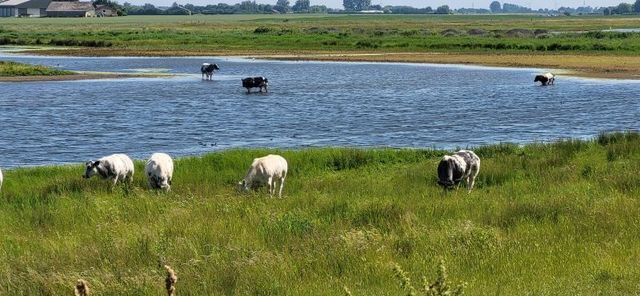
{"x":545,"y":79}
{"x":207,"y":70}
{"x":259,"y":82}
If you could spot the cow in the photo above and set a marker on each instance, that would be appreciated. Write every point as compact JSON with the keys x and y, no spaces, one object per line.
{"x":207,"y":70}
{"x":545,"y":79}
{"x":0,"y":179}
{"x":259,"y":82}
{"x":114,"y":167}
{"x":159,"y":171}
{"x":265,"y":170}
{"x":462,"y":165}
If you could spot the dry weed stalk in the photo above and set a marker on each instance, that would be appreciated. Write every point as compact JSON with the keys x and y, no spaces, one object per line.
{"x":82,"y":288}
{"x":170,"y":281}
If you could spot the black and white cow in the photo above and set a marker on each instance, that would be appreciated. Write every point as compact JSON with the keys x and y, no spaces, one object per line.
{"x":115,"y":167}
{"x":207,"y":70}
{"x":452,"y":169}
{"x":545,"y":79}
{"x":259,"y":82}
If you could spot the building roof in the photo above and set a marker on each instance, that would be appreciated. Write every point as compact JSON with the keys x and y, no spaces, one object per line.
{"x":25,"y":3}
{"x":69,"y":6}
{"x":13,"y":2}
{"x":100,"y":7}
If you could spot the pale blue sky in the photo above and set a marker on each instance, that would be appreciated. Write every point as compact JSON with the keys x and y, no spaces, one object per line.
{"x":415,"y":3}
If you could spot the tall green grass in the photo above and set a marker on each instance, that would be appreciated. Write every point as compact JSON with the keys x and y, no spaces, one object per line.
{"x":329,"y":32}
{"x":8,"y":69}
{"x":545,"y":219}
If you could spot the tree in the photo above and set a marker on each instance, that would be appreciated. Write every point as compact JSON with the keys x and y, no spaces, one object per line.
{"x":636,"y":6}
{"x":444,"y":9}
{"x":304,"y":5}
{"x":318,"y":9}
{"x":624,"y":8}
{"x":496,"y":7}
{"x":607,"y":11}
{"x":356,"y":5}
{"x":282,"y":6}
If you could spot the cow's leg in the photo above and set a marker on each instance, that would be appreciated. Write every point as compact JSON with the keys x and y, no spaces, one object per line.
{"x":472,"y":177}
{"x":281,"y":185}
{"x":270,"y":183}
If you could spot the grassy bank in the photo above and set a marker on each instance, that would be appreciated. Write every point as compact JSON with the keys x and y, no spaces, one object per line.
{"x":330,"y":32}
{"x":12,"y":69}
{"x":545,"y":219}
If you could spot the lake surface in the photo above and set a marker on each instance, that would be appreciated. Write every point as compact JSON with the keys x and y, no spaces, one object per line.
{"x":310,"y":104}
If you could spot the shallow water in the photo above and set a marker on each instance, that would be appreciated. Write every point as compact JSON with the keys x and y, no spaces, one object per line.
{"x":310,"y":104}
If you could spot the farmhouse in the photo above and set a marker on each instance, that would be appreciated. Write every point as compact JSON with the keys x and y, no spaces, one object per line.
{"x":32,"y":8}
{"x":71,"y":9}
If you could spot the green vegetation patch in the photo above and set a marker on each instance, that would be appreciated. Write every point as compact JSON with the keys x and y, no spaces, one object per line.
{"x":381,"y":33}
{"x":547,"y":218}
{"x":10,"y":69}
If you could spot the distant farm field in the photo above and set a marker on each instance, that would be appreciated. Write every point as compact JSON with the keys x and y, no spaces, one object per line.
{"x":380,"y":33}
{"x":545,"y":219}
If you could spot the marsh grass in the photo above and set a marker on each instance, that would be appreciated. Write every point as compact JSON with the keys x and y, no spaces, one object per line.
{"x":267,"y":33}
{"x":546,"y":218}
{"x":8,"y":69}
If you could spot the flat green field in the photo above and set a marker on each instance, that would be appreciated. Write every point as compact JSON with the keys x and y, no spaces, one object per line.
{"x":545,"y":219}
{"x":282,"y":33}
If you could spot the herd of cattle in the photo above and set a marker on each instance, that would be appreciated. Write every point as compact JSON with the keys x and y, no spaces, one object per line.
{"x":207,"y":70}
{"x":261,"y":83}
{"x":269,"y":171}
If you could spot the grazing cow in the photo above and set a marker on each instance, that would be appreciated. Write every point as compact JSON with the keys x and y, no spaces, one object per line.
{"x":259,"y":82}
{"x":452,"y":169}
{"x":545,"y":79}
{"x":207,"y":70}
{"x":265,"y":170}
{"x":159,"y":171}
{"x":113,"y":167}
{"x":0,"y":179}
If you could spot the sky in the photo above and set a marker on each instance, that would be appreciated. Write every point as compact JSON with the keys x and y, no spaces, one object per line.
{"x":415,"y":3}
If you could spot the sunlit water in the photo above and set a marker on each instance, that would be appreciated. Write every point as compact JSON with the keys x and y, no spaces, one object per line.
{"x":310,"y":104}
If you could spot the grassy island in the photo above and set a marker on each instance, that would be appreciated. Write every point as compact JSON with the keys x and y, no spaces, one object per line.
{"x":13,"y":69}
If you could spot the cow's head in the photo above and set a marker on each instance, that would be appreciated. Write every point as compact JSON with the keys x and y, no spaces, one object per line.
{"x":91,"y":168}
{"x":215,"y":67}
{"x":445,"y":173}
{"x":243,"y":186}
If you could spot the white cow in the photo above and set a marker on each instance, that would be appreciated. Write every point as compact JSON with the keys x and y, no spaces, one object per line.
{"x":266,"y":170}
{"x":159,"y":171}
{"x":113,"y":167}
{"x":462,"y":165}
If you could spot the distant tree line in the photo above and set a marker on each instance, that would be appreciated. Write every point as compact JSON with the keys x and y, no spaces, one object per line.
{"x":351,"y":6}
{"x":244,"y":7}
{"x":622,"y":8}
